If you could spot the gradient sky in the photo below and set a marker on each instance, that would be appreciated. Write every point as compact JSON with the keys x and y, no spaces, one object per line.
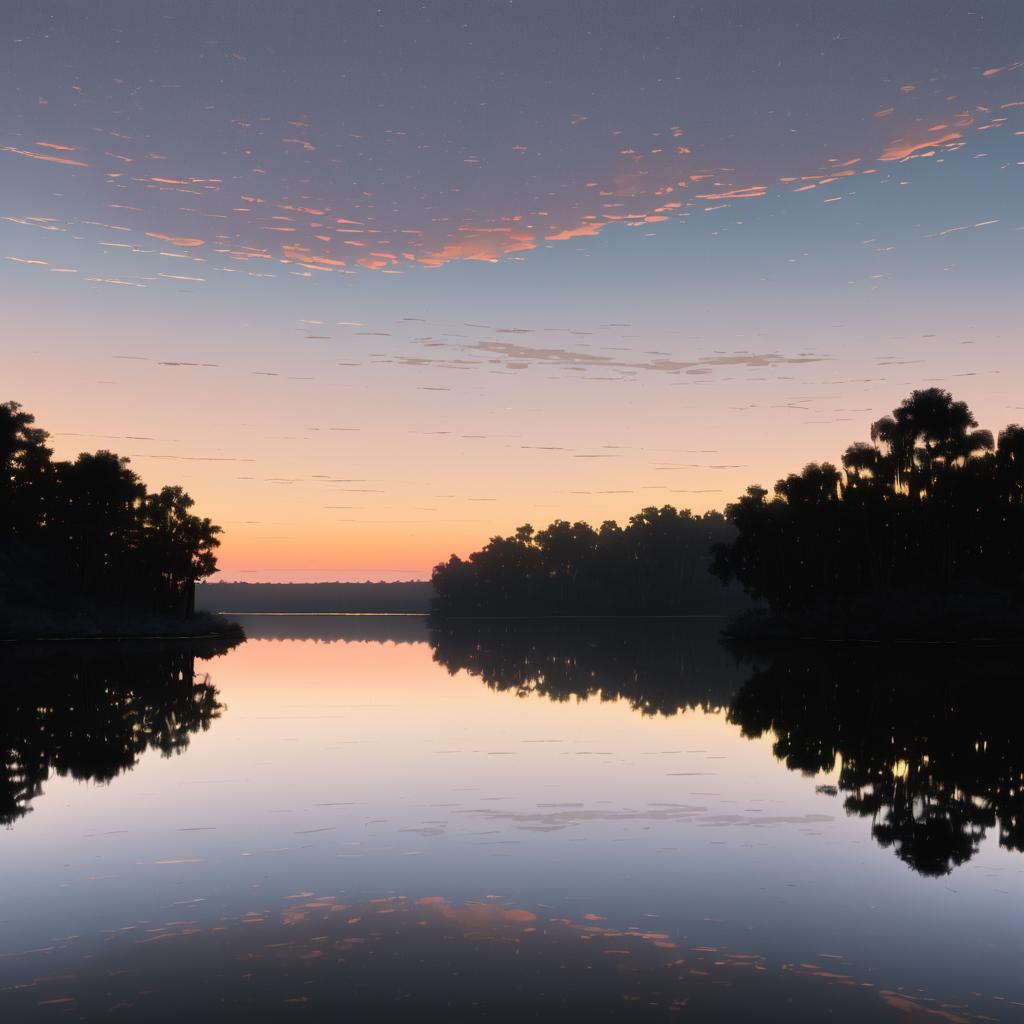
{"x":375,"y":281}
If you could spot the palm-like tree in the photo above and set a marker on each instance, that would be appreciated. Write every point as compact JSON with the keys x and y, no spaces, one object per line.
{"x":931,"y":509}
{"x":928,"y":435}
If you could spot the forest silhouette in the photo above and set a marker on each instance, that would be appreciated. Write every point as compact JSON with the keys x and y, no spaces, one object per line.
{"x":922,"y":529}
{"x":926,"y":519}
{"x":86,"y":536}
{"x":656,"y":565}
{"x":90,"y":711}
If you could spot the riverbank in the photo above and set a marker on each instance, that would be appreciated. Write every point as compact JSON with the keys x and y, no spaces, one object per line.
{"x":33,"y":624}
{"x":907,"y":620}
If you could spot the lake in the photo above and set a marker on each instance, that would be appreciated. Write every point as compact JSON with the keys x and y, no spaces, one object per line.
{"x":364,"y":815}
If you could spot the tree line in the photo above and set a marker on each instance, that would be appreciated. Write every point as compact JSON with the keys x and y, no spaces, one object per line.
{"x":86,"y":535}
{"x":932,"y":509}
{"x":927,"y":517}
{"x":655,"y":565}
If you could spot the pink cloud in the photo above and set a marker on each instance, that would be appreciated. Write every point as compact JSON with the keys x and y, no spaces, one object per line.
{"x":474,"y":243}
{"x":900,"y":149}
{"x":584,"y":230}
{"x":43,"y":156}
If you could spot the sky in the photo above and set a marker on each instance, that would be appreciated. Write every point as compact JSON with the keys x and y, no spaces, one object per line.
{"x":377,"y":281}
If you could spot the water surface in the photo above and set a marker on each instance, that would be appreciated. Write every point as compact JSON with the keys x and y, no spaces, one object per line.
{"x":624,"y":819}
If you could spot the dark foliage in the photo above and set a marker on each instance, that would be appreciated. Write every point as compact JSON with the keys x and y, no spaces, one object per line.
{"x":90,"y":712}
{"x":926,"y":746}
{"x":931,"y":511}
{"x":656,"y":565}
{"x":87,"y":535}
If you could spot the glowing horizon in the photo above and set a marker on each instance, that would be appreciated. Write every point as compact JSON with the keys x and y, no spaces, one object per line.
{"x":488,"y":265}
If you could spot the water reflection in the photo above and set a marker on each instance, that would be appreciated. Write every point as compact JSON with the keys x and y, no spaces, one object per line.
{"x":341,"y":628}
{"x":927,"y":743}
{"x":924,"y":745}
{"x":592,"y":859}
{"x":658,"y":666}
{"x":90,"y":710}
{"x":432,"y":959}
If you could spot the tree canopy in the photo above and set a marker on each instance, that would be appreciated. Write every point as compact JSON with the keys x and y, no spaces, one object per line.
{"x":932,"y":506}
{"x":87,"y":534}
{"x":657,"y":564}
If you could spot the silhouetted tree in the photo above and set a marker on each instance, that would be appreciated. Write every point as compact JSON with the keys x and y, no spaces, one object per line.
{"x":931,"y":511}
{"x":656,"y":565}
{"x":86,"y":535}
{"x":177,"y":547}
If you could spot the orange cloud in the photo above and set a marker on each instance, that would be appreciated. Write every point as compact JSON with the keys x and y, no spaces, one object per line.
{"x":487,"y":244}
{"x":375,"y":263}
{"x":751,"y":192}
{"x":989,"y":72}
{"x":301,"y":254}
{"x":586,"y":229}
{"x":43,"y":156}
{"x":184,"y":242}
{"x":302,"y":209}
{"x":900,"y":149}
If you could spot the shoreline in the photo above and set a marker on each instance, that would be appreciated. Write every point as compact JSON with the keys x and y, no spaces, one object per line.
{"x":983,"y":624}
{"x":35,"y":638}
{"x":40,"y":627}
{"x":751,"y":632}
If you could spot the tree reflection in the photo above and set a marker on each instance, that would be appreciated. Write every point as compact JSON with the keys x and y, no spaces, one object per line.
{"x":924,"y":741}
{"x":928,"y":748}
{"x":90,"y":711}
{"x":659,"y":666}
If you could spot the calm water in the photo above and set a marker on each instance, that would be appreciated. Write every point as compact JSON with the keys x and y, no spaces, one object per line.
{"x":358,"y":816}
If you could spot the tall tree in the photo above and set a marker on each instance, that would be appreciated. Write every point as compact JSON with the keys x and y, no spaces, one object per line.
{"x":931,"y":510}
{"x":86,"y":534}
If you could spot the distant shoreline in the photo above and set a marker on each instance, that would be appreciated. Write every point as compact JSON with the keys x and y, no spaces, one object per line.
{"x":412,"y":597}
{"x":457,"y":618}
{"x":412,"y":615}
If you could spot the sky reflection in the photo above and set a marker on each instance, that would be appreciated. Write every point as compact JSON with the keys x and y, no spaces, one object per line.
{"x":362,"y":768}
{"x":395,"y":956}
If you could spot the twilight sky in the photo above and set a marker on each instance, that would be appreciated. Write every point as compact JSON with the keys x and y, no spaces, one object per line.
{"x":375,"y":281}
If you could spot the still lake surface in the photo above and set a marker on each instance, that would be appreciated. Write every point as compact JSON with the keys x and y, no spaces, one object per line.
{"x":364,"y":816}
